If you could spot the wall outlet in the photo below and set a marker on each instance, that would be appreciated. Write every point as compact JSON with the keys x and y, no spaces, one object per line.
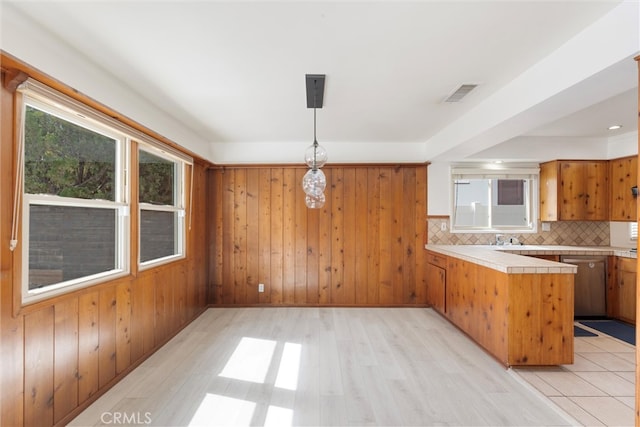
{"x":546,"y":226}
{"x":261,"y":287}
{"x":443,"y":226}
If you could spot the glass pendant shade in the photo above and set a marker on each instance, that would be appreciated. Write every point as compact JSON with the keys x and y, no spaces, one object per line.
{"x":320,"y":157}
{"x":315,"y":202}
{"x":314,"y":182}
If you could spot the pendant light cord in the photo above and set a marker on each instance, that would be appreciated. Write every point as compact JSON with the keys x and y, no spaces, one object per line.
{"x":315,"y":140}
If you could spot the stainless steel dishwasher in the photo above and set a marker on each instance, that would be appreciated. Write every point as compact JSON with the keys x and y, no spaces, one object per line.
{"x":590,"y":285}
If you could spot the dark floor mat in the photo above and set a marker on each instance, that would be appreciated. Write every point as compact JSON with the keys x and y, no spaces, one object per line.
{"x":579,"y":332}
{"x":619,"y":330}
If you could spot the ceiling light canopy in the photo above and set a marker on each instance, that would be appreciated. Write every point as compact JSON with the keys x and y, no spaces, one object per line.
{"x":614,"y":127}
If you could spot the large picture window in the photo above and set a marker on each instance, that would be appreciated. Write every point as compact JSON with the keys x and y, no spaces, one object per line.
{"x":161,"y":198}
{"x":494,"y":200}
{"x":75,"y":224}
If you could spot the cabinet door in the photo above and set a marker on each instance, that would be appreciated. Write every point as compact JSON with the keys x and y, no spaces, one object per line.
{"x":549,"y":191}
{"x":624,"y":175}
{"x":573,"y":194}
{"x":627,"y":289}
{"x":596,"y":185}
{"x":436,"y":286}
{"x":584,"y":191}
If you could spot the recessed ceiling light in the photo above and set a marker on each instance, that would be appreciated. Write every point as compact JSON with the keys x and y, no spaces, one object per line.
{"x":614,"y":127}
{"x":498,"y":161}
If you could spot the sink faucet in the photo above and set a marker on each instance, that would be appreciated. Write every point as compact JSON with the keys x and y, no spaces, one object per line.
{"x":500,"y":239}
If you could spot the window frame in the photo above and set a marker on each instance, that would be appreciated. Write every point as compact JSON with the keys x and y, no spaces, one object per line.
{"x":531,"y":174}
{"x":69,"y":110}
{"x":80,"y":113}
{"x":178,"y":208}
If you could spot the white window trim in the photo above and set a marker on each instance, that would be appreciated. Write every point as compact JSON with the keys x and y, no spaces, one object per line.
{"x":121,"y":249}
{"x":492,"y":172}
{"x":180,"y":232}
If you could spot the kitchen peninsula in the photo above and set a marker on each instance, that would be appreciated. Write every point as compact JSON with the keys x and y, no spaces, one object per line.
{"x":518,"y":308}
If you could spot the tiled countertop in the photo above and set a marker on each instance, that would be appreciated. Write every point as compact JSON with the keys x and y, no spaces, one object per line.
{"x":508,"y":259}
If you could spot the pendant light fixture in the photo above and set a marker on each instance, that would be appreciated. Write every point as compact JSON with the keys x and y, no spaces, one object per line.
{"x":314,"y":181}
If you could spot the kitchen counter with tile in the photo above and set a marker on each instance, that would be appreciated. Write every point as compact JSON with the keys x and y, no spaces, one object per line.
{"x":508,"y":259}
{"x":564,"y":250}
{"x":519,"y":308}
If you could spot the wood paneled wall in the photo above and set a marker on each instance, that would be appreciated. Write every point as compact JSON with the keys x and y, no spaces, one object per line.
{"x":58,"y":355}
{"x":364,"y":248}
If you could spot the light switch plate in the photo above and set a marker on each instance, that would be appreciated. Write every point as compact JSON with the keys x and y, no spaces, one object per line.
{"x":546,"y":226}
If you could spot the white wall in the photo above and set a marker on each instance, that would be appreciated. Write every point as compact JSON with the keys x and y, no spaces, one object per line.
{"x":438,"y":188}
{"x":28,"y":42}
{"x":619,"y":235}
{"x":338,"y":152}
{"x":623,"y":145}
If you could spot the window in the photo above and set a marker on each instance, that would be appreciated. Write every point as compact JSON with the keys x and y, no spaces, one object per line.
{"x":494,"y":200}
{"x":74,"y":217}
{"x":161,"y":197}
{"x":72,"y":174}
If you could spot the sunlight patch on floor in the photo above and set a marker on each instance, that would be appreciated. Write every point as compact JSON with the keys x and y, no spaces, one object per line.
{"x":250,"y":360}
{"x":289,"y":367}
{"x":278,"y":417}
{"x":216,"y":410}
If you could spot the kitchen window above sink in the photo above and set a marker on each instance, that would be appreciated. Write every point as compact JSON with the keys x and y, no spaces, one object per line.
{"x":494,"y":200}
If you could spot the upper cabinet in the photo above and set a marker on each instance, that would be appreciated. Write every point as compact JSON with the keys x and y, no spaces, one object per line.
{"x":574,"y":190}
{"x":623,"y":176}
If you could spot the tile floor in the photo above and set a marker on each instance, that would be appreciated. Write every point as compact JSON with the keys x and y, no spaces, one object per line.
{"x":598,"y":389}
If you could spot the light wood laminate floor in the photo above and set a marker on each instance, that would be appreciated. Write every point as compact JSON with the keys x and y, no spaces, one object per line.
{"x":322,"y":366}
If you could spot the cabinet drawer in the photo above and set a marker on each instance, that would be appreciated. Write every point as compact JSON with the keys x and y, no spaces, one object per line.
{"x":437,"y":259}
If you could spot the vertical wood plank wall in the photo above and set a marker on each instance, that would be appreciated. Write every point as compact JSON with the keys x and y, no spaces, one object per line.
{"x":58,"y":355}
{"x":364,"y":248}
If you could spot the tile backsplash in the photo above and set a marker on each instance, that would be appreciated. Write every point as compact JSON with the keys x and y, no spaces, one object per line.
{"x":571,"y":233}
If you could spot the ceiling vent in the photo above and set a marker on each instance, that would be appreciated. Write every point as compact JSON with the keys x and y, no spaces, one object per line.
{"x":462,"y":91}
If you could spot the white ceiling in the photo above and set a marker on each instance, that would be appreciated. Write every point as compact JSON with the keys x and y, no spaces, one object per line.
{"x":232,"y":72}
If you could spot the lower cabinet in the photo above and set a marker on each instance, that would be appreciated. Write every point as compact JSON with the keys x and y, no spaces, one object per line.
{"x":626,"y":269}
{"x":436,"y":281}
{"x":519,"y":318}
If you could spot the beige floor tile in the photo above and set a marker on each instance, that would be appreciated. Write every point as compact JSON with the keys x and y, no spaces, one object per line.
{"x":613,"y":345}
{"x":610,"y":361}
{"x":608,"y":410}
{"x":609,"y":382}
{"x":584,"y":345}
{"x":577,"y":412}
{"x":630,"y":401}
{"x":533,"y":379}
{"x":569,"y":384}
{"x":582,"y":364}
{"x":629,"y":376}
{"x":629,"y":357}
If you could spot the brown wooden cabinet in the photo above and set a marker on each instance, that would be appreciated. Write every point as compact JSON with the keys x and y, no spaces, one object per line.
{"x":623,"y":175}
{"x":521,"y":319}
{"x":436,"y":281}
{"x":574,"y":190}
{"x":626,"y":269}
